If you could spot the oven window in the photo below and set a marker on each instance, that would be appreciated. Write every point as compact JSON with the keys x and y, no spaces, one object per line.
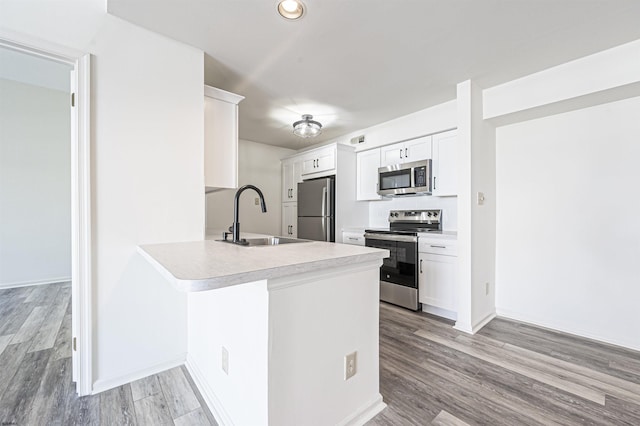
{"x":397,"y":179}
{"x":401,"y":265}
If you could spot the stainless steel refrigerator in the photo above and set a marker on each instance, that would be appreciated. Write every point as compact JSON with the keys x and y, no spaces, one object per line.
{"x":316,"y":209}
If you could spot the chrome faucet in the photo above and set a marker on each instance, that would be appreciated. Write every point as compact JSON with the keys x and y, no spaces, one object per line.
{"x":235,"y":228}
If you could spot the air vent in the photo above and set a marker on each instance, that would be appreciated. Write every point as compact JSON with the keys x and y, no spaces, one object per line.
{"x":357,"y":140}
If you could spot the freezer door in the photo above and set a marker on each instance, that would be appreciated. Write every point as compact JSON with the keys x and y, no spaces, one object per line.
{"x":316,"y":228}
{"x":315,"y":198}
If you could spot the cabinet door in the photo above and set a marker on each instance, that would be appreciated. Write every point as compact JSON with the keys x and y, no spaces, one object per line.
{"x":287,"y":181}
{"x":437,"y":281}
{"x":417,"y":149}
{"x":289,"y":220}
{"x":221,"y":143}
{"x":321,"y":160}
{"x":368,"y":163}
{"x":392,"y":154}
{"x":445,"y":164}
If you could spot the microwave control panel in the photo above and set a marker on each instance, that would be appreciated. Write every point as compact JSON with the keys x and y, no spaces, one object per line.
{"x":420,"y":176}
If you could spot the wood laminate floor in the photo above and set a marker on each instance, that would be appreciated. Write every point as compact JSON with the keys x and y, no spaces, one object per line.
{"x":35,"y":373}
{"x":509,"y":373}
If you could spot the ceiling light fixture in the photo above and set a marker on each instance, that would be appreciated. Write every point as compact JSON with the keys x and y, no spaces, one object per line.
{"x":307,"y":127}
{"x":291,"y":9}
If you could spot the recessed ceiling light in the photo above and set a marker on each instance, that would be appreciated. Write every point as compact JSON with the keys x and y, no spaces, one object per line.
{"x":291,"y":9}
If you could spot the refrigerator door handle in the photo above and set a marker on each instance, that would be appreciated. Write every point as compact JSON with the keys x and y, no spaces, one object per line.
{"x":324,"y":201}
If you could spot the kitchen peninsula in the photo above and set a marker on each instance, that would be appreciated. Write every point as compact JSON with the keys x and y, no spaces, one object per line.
{"x":269,"y":328}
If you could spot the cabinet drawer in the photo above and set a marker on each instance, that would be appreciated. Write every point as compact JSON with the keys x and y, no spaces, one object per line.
{"x":355,"y":238}
{"x":444,"y":246}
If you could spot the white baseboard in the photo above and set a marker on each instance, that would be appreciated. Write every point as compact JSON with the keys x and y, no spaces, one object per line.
{"x":38,"y":282}
{"x":106,"y":384}
{"x":474,"y":328}
{"x":439,"y":312}
{"x":209,"y":396}
{"x":365,"y":413}
{"x":563,"y":328}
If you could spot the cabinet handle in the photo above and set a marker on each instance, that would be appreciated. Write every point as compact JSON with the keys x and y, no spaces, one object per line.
{"x":406,"y":153}
{"x":400,"y":152}
{"x":353,"y":238}
{"x":434,"y":182}
{"x":420,"y":265}
{"x":444,"y":247}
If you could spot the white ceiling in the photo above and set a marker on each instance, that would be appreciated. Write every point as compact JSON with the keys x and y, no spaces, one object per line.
{"x":356,"y":63}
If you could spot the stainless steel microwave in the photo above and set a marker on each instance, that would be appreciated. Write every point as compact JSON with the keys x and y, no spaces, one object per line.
{"x":405,"y":179}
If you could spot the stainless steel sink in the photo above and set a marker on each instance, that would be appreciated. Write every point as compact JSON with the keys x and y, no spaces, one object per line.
{"x":273,"y":241}
{"x":266,"y":241}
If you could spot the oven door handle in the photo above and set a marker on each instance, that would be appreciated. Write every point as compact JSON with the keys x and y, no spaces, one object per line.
{"x":391,"y":237}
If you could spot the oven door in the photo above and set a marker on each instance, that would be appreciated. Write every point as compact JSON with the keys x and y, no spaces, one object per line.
{"x":399,"y":271}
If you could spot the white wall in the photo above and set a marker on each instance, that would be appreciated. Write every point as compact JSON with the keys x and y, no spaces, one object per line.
{"x":148,"y":187}
{"x":568,"y":235}
{"x":35,"y":184}
{"x":259,"y":165}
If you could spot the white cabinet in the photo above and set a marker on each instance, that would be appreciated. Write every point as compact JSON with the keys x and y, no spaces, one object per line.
{"x":367,"y":164}
{"x":221,"y":138}
{"x":353,"y":237}
{"x":319,"y":162}
{"x":290,"y":220}
{"x":406,"y":152}
{"x":291,"y":175}
{"x":438,"y":272}
{"x":445,"y":164}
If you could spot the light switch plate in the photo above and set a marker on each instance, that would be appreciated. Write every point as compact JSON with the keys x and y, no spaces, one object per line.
{"x":480,"y":198}
{"x":350,"y":365}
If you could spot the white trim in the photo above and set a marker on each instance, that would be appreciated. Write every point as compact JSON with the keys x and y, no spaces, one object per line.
{"x":82,"y":315}
{"x":39,"y":282}
{"x":473,"y":329}
{"x":222,"y":95}
{"x":563,"y":328}
{"x":434,"y":310}
{"x":365,"y":413}
{"x":106,"y":384}
{"x":209,"y":396}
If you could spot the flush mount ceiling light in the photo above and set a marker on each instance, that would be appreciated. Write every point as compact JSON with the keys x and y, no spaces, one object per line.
{"x":307,"y":127}
{"x":291,"y":9}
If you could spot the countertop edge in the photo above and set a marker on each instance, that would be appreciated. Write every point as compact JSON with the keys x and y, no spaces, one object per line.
{"x":187,"y":285}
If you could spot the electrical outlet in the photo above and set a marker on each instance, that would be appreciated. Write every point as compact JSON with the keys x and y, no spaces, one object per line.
{"x":350,"y":365}
{"x":225,"y":360}
{"x":486,"y":288}
{"x":257,"y":201}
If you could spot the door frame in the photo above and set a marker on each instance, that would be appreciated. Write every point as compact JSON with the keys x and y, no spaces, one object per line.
{"x":81,"y":255}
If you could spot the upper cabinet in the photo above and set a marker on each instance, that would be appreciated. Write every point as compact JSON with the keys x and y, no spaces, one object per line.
{"x":221,"y":138}
{"x":406,"y":152}
{"x":291,"y":175}
{"x":445,"y":164}
{"x":319,"y":162}
{"x":368,"y":163}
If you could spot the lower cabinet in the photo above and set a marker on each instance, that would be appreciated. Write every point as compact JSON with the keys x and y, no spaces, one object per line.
{"x":290,"y":220}
{"x":437,"y":283}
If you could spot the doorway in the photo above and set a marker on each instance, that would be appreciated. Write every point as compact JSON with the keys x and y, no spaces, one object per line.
{"x":44,"y":187}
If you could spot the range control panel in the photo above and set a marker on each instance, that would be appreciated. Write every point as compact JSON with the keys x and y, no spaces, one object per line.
{"x":415,"y":216}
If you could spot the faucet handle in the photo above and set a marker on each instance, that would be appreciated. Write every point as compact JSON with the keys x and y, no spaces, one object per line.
{"x":231,"y":229}
{"x":225,"y":235}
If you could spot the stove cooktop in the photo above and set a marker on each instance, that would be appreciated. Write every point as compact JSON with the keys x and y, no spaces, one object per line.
{"x":406,"y":231}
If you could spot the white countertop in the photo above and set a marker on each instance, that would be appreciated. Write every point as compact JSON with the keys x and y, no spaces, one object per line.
{"x":209,"y":264}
